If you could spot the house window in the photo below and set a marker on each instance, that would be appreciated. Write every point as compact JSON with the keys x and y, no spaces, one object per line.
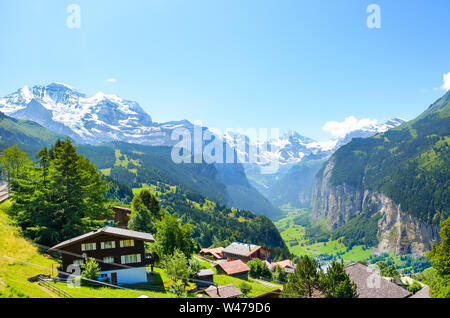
{"x":126,"y":243}
{"x":129,"y":259}
{"x":88,"y":246}
{"x":108,"y":259}
{"x":109,"y":244}
{"x":78,"y":262}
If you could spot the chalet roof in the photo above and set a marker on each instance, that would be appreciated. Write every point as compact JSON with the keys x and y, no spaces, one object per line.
{"x":121,"y":209}
{"x":205,"y":272}
{"x":227,"y":291}
{"x":216,"y":252}
{"x":106,"y":230}
{"x":371,"y":285}
{"x":241,"y":249}
{"x":423,"y":293}
{"x":284,"y":264}
{"x":234,"y":267}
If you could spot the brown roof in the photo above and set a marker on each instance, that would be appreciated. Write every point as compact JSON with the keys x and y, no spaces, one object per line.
{"x":371,"y":285}
{"x":234,"y":267}
{"x":216,"y":252}
{"x":241,"y":249}
{"x":106,"y":230}
{"x":227,"y":291}
{"x":423,"y":293}
{"x":283,"y":264}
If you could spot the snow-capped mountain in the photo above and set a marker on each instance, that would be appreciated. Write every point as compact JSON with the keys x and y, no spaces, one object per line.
{"x":87,"y":119}
{"x":102,"y":118}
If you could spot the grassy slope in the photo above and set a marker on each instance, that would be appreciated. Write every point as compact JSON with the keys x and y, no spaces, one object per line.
{"x":13,"y":273}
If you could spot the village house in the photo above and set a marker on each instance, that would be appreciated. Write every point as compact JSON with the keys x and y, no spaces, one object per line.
{"x":235,"y":268}
{"x":215,"y":253}
{"x":205,"y":278}
{"x":245,"y":252}
{"x":121,"y":216}
{"x":119,"y":252}
{"x":287,"y":265}
{"x":227,"y":291}
{"x":370,"y":284}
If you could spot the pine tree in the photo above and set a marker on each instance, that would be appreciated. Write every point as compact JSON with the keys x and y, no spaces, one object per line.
{"x":304,"y":280}
{"x":145,"y":211}
{"x":171,"y":235}
{"x":336,"y":283}
{"x":59,"y":198}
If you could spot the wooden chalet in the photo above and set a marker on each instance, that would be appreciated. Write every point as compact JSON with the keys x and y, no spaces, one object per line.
{"x":245,"y":252}
{"x":119,"y":252}
{"x":121,"y":216}
{"x":236,"y":268}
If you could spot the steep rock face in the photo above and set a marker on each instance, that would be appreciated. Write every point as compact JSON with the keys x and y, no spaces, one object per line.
{"x":338,"y":203}
{"x":398,"y":231}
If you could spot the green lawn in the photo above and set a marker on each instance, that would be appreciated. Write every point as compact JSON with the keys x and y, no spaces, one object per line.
{"x":14,"y":274}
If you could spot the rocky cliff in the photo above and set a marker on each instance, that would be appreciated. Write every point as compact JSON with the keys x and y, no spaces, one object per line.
{"x":398,"y":231}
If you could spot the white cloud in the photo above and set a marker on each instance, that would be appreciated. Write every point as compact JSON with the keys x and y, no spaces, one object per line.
{"x":111,"y":80}
{"x":340,"y":129}
{"x":446,"y":85}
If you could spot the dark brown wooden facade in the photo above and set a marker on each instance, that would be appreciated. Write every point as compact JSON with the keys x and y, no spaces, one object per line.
{"x":121,"y":215}
{"x":73,"y":252}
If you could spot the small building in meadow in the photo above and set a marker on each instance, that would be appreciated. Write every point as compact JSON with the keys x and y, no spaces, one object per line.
{"x":205,"y":278}
{"x":120,"y":253}
{"x":235,"y":268}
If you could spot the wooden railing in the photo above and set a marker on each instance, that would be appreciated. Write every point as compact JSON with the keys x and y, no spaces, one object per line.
{"x":54,"y":289}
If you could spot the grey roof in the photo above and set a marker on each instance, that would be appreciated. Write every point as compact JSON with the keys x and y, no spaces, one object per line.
{"x":371,"y":285}
{"x":241,"y":249}
{"x":106,"y":230}
{"x":423,"y":293}
{"x":205,"y":272}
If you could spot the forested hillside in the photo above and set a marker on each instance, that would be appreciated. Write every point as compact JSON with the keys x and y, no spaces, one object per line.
{"x":30,"y":135}
{"x":213,"y":223}
{"x":410,"y":164}
{"x":399,"y":180}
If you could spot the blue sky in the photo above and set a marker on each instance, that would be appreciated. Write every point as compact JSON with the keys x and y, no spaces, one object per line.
{"x":234,"y":63}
